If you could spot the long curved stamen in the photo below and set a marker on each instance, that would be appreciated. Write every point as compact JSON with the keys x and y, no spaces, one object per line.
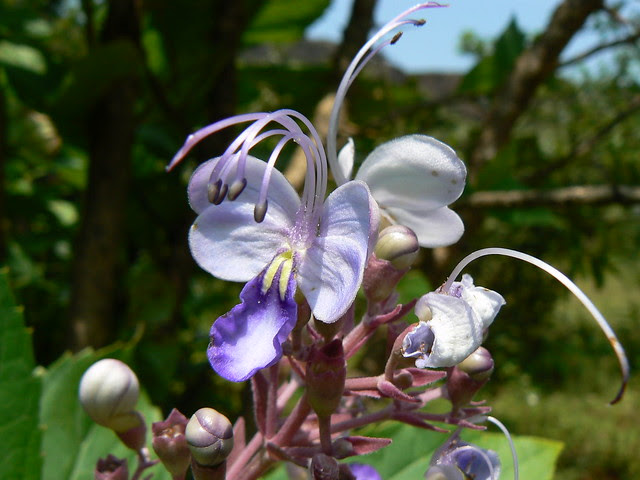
{"x":233,"y":160}
{"x":261,"y":205}
{"x":572,"y":287}
{"x":197,"y":136}
{"x":249,"y":138}
{"x":240,"y":179}
{"x":316,"y":150}
{"x":356,"y":65}
{"x":514,"y":454}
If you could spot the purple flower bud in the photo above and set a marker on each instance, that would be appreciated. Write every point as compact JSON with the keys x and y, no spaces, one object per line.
{"x":135,"y":437}
{"x":457,"y":460}
{"x":364,"y":472}
{"x":324,"y":467}
{"x":111,"y":468}
{"x":209,"y":436}
{"x":326,"y":374}
{"x":109,"y":392}
{"x":170,"y":443}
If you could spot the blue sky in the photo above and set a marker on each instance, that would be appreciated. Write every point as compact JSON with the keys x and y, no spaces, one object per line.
{"x":434,"y":47}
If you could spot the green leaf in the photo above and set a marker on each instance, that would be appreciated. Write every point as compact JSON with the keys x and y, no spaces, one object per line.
{"x":22,"y":56}
{"x":279,"y":22}
{"x":72,"y":443}
{"x":409,"y":454}
{"x":413,"y":285}
{"x":536,"y":456}
{"x":19,"y":392}
{"x":490,"y":72}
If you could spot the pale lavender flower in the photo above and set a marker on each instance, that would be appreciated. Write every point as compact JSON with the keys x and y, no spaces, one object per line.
{"x":268,"y":236}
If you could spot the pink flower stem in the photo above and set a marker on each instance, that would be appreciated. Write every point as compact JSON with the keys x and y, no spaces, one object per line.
{"x":361,"y":421}
{"x":272,"y":397}
{"x":244,"y":456}
{"x":324,"y":428}
{"x":293,"y":422}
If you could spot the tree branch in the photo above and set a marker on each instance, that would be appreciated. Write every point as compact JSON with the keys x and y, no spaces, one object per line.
{"x":598,"y":48}
{"x":584,"y":147}
{"x":566,"y":196}
{"x":533,"y":67}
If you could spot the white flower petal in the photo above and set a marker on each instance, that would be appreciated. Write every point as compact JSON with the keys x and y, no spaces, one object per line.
{"x":486,"y":303}
{"x":227,"y":242}
{"x":435,"y":228}
{"x":414,"y":172}
{"x":331,"y":270}
{"x":456,"y":328}
{"x":346,"y":159}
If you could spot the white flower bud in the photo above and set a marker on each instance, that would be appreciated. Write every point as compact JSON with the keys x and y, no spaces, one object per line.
{"x":399,"y":245}
{"x":109,"y":392}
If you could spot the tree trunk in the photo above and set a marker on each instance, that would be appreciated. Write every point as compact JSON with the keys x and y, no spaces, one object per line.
{"x":99,"y":245}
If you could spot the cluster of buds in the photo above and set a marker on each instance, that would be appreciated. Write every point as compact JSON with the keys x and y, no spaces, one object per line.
{"x":109,"y":392}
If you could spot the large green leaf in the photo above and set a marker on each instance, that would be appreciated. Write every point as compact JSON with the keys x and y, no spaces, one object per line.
{"x":279,"y":21}
{"x":72,"y":443}
{"x":536,"y":456}
{"x":19,"y":392}
{"x":409,"y":454}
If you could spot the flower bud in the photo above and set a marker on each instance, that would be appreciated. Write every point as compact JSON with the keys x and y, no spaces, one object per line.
{"x":457,"y":460}
{"x":478,"y":365}
{"x":108,"y":392}
{"x":111,"y":468}
{"x":399,"y":245}
{"x":170,"y":443}
{"x":324,"y":467}
{"x":209,"y":436}
{"x":326,"y":374}
{"x":364,"y":472}
{"x":135,"y":436}
{"x":465,"y":379}
{"x":394,"y":253}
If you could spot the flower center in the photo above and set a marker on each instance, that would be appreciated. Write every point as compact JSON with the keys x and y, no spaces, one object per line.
{"x":282,"y":263}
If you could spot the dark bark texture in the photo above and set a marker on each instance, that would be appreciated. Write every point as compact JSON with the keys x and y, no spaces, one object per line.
{"x":100,"y":242}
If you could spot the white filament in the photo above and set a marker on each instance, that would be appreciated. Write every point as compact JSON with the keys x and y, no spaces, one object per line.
{"x":506,"y":433}
{"x":572,"y":287}
{"x":352,"y":70}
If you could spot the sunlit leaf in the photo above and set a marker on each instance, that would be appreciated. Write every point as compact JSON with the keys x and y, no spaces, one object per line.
{"x":491,"y":71}
{"x":19,"y":392}
{"x":281,"y":21}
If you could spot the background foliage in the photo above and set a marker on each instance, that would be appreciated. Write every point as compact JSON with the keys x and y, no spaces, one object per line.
{"x":95,"y":97}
